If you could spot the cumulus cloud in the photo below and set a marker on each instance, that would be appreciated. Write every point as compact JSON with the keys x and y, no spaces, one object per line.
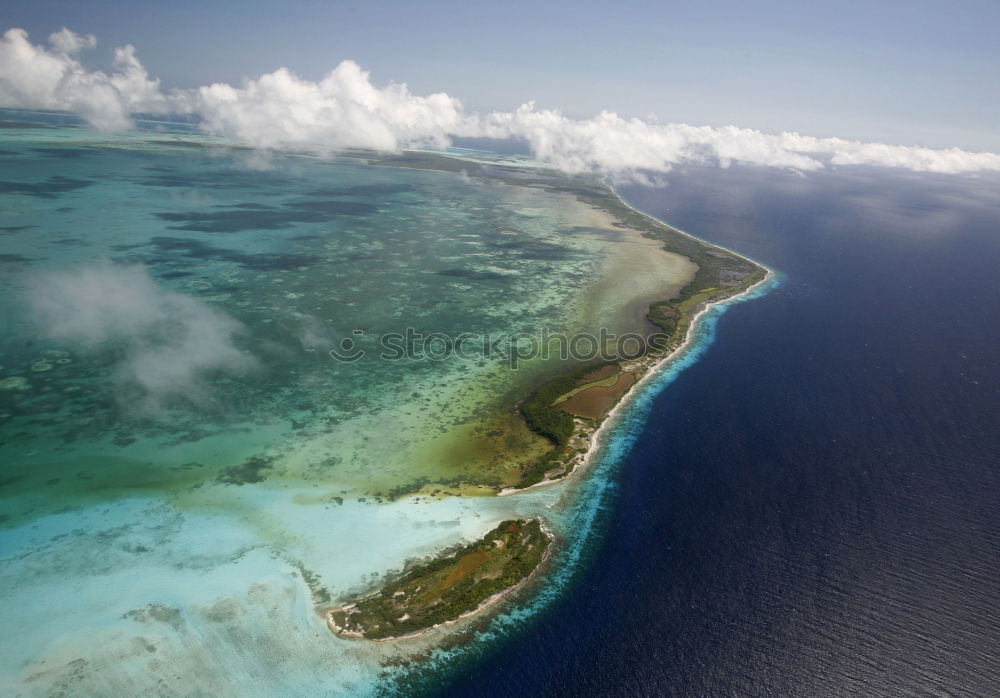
{"x":35,"y":77}
{"x":342,"y":110}
{"x":346,"y":110}
{"x":170,"y":344}
{"x":66,"y":42}
{"x":633,"y":147}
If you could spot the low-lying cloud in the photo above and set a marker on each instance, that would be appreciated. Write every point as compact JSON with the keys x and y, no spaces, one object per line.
{"x":346,"y":110}
{"x":626,"y":147}
{"x":169,"y":345}
{"x":343,"y":110}
{"x":35,"y":77}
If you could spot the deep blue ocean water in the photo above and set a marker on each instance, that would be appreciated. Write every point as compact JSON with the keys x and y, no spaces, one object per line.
{"x":808,"y":507}
{"x":813,"y":508}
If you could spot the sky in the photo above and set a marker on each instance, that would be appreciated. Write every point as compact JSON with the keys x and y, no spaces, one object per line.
{"x":914,"y":72}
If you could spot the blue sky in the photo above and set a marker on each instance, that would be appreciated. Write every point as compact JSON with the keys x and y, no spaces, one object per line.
{"x":920,"y":72}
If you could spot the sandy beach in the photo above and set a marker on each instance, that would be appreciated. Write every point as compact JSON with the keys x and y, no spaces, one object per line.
{"x":486,"y":603}
{"x":646,"y":369}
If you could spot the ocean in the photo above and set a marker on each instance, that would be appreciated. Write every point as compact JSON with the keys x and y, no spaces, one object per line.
{"x":189,"y":476}
{"x":803,"y":503}
{"x":813,"y":507}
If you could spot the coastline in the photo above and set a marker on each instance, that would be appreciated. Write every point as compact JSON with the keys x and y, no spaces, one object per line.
{"x":642,"y":365}
{"x":657,"y":367}
{"x":648,"y":371}
{"x":705,"y":290}
{"x":487,"y":603}
{"x":268,"y":551}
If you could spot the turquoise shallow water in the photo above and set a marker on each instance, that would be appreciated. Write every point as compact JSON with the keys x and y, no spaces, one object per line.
{"x":580,"y":511}
{"x":301,"y":255}
{"x":179,"y":450}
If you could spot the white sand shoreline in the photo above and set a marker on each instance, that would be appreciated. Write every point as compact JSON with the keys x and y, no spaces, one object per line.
{"x":648,"y":371}
{"x":656,"y":368}
{"x":484,"y":605}
{"x":659,"y":366}
{"x":647,"y":368}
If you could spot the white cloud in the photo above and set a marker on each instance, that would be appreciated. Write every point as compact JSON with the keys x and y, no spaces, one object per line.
{"x":67,"y":42}
{"x":170,"y":344}
{"x":629,"y":147}
{"x":344,"y":110}
{"x":35,"y":77}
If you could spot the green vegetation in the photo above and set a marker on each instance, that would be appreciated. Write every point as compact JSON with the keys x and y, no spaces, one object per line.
{"x":535,"y":472}
{"x":720,"y":274}
{"x":448,"y":586}
{"x":551,"y":422}
{"x":581,"y":386}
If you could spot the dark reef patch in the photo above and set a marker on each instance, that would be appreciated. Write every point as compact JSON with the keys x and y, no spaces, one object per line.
{"x":220,"y":179}
{"x":247,"y":205}
{"x":179,"y":143}
{"x":233,"y":221}
{"x":243,"y":217}
{"x":320,"y":593}
{"x":536,"y":249}
{"x":201,"y":250}
{"x":364,"y":190}
{"x":67,"y":153}
{"x":334,"y":208}
{"x":49,"y":189}
{"x":22,"y":124}
{"x":250,"y":471}
{"x":473,"y":275}
{"x":68,"y":242}
{"x":160,"y":613}
{"x":190,"y":248}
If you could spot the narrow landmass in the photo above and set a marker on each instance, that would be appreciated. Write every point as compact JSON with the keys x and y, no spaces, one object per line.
{"x":447,"y":587}
{"x":568,"y":411}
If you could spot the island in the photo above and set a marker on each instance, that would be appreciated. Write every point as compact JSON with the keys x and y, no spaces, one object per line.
{"x":382,"y":502}
{"x":448,"y":587}
{"x":571,"y":408}
{"x":568,"y":411}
